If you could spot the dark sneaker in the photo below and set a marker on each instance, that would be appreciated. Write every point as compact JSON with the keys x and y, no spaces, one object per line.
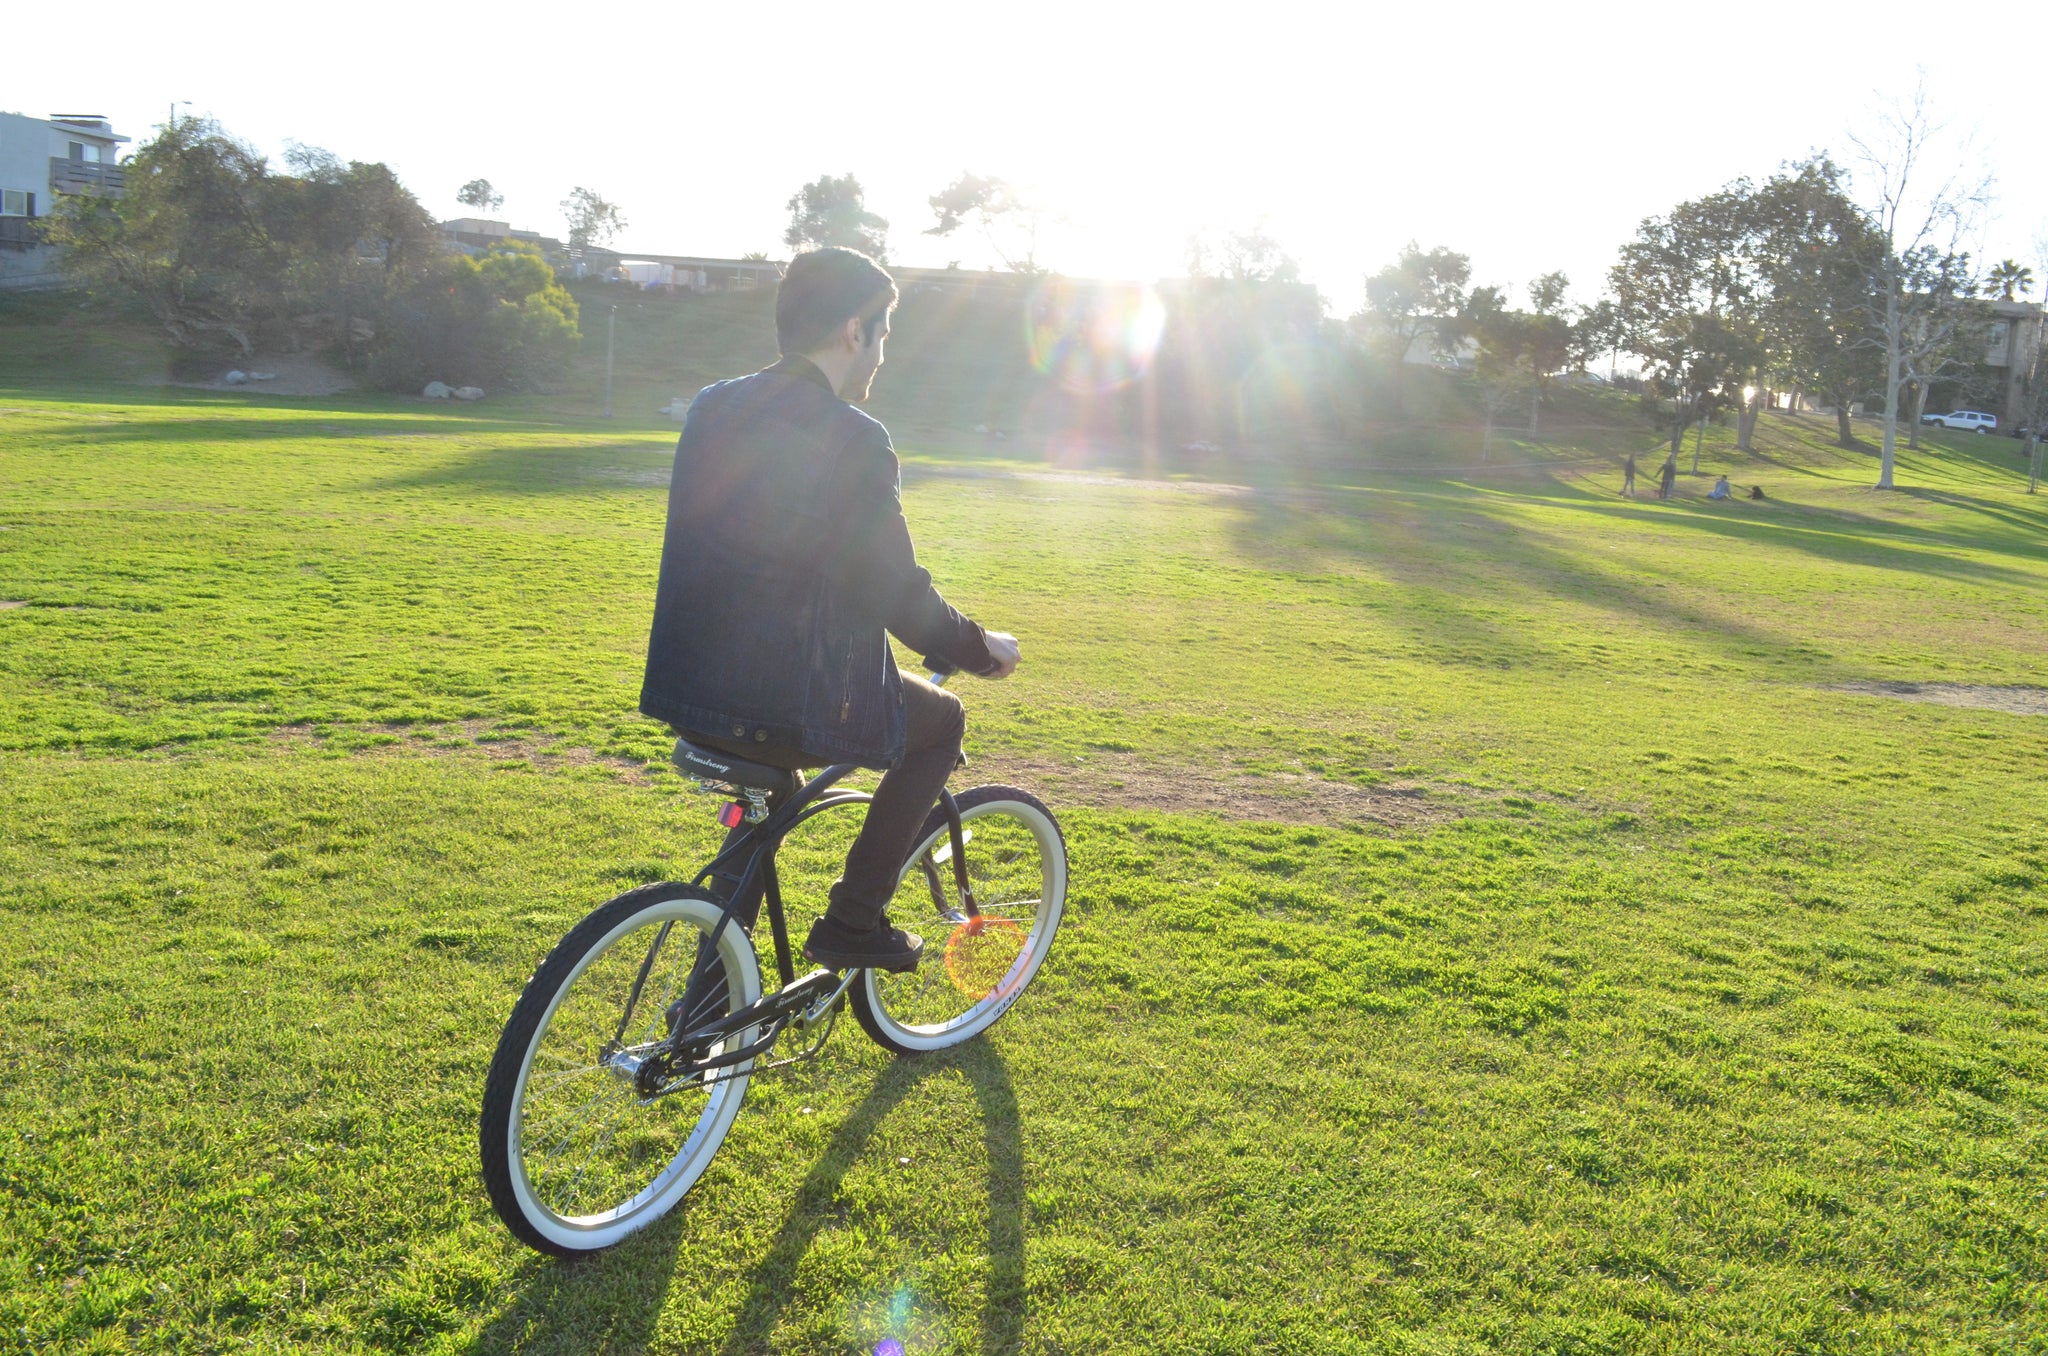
{"x":882,"y":947}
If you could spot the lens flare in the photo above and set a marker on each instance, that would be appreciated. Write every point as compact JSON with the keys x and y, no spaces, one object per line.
{"x":980,"y":952}
{"x":1095,"y":338}
{"x":888,"y":1346}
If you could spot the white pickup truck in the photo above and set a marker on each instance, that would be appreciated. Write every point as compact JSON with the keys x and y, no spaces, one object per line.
{"x":1973,"y":420}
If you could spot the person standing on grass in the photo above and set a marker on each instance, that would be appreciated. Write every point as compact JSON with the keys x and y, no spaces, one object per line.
{"x":1628,"y":477}
{"x":1670,"y":478}
{"x":785,"y":561}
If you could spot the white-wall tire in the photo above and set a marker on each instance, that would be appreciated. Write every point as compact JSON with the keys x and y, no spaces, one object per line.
{"x":556,"y":1078}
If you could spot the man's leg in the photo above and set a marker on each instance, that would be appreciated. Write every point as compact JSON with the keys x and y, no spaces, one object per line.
{"x":934,"y":723}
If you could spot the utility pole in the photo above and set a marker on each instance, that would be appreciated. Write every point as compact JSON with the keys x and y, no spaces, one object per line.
{"x":611,"y":334}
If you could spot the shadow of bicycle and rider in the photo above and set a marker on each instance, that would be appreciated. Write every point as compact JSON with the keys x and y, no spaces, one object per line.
{"x":614,"y":1301}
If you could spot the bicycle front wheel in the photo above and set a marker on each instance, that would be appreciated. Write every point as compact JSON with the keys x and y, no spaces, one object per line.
{"x":575,"y":1157}
{"x":974,"y":967}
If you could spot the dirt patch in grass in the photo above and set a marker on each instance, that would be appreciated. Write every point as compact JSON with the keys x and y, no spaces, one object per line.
{"x":296,"y":374}
{"x":470,"y":738}
{"x":7,"y":603}
{"x":1126,"y":782}
{"x":2021,"y":701}
{"x":1110,"y":781}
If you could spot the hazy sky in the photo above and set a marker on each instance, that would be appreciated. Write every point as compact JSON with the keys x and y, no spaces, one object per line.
{"x":1531,"y":137}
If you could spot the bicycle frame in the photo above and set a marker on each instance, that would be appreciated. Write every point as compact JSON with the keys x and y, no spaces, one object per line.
{"x":817,"y":995}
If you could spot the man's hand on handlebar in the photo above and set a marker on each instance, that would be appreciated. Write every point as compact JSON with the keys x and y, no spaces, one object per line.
{"x":1002,"y":647}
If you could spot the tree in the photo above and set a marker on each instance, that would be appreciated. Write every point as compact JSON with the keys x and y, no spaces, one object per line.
{"x":1684,"y":293}
{"x":358,"y":238}
{"x":1595,"y":330}
{"x":1254,"y":256}
{"x":1813,"y":245}
{"x":220,"y":248}
{"x":1506,"y":364}
{"x":501,"y":318}
{"x":479,"y":194}
{"x":2010,"y":279}
{"x":1420,"y":297}
{"x":592,"y":220}
{"x":829,"y":211}
{"x":1007,"y":221}
{"x":187,"y":237}
{"x":1546,"y":294}
{"x":1519,"y":351}
{"x":1920,"y":277}
{"x":1547,"y":343}
{"x":2033,"y":410}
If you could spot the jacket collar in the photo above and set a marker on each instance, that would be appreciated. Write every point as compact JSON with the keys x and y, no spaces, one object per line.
{"x":796,"y":365}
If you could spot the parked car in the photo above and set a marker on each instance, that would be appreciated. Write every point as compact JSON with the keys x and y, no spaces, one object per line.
{"x":1975,"y":421}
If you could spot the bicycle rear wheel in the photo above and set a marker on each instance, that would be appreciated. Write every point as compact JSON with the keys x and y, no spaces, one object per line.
{"x":574,"y":1157}
{"x":974,"y":968}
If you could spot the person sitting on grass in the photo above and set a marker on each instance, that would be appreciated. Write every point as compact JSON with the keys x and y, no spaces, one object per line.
{"x":786,"y":559}
{"x":1720,"y":490}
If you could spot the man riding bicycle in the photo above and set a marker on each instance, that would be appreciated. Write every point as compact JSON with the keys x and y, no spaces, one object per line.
{"x":785,"y":559}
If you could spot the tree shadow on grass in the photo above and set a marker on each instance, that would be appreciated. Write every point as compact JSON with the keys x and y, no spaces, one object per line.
{"x":2031,"y":521}
{"x":268,"y":423}
{"x":1835,"y":535}
{"x":1465,"y":573}
{"x":613,"y":1301}
{"x":1465,"y":568}
{"x":540,"y":470}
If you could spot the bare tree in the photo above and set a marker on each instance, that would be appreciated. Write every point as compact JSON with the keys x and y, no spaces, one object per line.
{"x":592,"y":219}
{"x":1007,"y":219}
{"x":1921,"y":278}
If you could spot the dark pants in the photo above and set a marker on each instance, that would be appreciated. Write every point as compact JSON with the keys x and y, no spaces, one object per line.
{"x":934,"y":724}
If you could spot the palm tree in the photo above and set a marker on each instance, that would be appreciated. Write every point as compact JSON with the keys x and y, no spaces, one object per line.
{"x":2011,"y":278}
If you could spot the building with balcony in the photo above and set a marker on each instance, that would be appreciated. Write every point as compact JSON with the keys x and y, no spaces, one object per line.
{"x":42,"y":159}
{"x":2011,"y":343}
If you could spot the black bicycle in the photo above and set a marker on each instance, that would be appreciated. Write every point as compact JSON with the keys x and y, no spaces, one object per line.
{"x":626,"y":1059}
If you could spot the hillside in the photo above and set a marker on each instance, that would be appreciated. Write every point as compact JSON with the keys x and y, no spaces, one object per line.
{"x":961,"y":381}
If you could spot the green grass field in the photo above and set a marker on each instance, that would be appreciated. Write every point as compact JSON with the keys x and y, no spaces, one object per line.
{"x":1574,"y":967}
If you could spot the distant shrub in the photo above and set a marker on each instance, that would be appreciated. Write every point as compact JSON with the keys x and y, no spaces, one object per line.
{"x":501,"y":320}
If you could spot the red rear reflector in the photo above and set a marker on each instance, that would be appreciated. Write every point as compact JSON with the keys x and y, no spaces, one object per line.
{"x":732,"y":814}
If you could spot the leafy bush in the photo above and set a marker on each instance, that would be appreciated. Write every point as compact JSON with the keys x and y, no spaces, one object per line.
{"x":499,"y":320}
{"x":231,"y":257}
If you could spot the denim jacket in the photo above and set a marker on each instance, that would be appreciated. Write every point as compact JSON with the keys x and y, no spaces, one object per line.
{"x":785,"y":559}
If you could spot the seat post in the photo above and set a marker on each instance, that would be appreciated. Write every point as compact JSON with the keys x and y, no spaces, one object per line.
{"x":777,"y":927}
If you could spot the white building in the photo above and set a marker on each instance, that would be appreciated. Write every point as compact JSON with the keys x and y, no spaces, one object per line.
{"x":41,"y":158}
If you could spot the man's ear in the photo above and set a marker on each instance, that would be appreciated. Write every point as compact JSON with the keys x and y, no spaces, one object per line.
{"x":855,"y":334}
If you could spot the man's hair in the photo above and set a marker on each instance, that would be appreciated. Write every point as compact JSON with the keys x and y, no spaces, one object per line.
{"x":822,"y":289}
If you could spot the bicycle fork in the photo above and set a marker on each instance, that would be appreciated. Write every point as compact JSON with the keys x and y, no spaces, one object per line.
{"x":956,"y":850}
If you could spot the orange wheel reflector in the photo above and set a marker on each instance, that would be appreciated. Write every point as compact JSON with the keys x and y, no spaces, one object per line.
{"x":980,"y":952}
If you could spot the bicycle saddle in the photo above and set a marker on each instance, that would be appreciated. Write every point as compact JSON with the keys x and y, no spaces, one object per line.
{"x":712,"y":766}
